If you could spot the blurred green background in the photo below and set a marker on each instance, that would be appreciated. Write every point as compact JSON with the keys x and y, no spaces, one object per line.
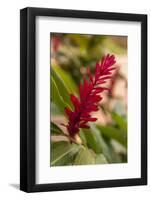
{"x":106,"y":140}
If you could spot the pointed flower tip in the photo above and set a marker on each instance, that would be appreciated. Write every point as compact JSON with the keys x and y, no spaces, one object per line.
{"x":68,"y":111}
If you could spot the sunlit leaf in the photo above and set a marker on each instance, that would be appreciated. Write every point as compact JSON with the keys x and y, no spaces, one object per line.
{"x":56,"y":97}
{"x":91,"y":140}
{"x":62,"y":89}
{"x":82,"y":136}
{"x":100,"y":159}
{"x":62,"y":153}
{"x":96,"y":142}
{"x":84,"y":157}
{"x":66,"y":78}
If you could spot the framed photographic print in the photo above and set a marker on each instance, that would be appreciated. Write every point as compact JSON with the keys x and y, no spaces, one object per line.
{"x":83,"y":95}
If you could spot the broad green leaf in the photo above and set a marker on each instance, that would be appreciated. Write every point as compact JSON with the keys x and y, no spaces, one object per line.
{"x":100,"y":159}
{"x":82,"y":136}
{"x":113,"y":153}
{"x":62,"y":153}
{"x":84,"y":157}
{"x":101,"y":143}
{"x":91,"y":140}
{"x":55,"y":130}
{"x":66,"y":78}
{"x":96,"y":142}
{"x":114,"y":133}
{"x":63,"y":90}
{"x":120,"y":121}
{"x":56,"y":97}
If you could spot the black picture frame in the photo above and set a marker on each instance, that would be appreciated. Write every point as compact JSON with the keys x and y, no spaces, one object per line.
{"x":28,"y":98}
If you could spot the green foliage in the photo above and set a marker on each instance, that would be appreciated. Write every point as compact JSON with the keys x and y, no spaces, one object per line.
{"x":100,"y":159}
{"x":95,"y":148}
{"x":59,"y":89}
{"x":62,"y":153}
{"x":96,"y":145}
{"x":111,"y":132}
{"x":56,"y":96}
{"x":101,"y":144}
{"x":77,"y":50}
{"x":65,"y":78}
{"x":55,"y":130}
{"x":84,"y":157}
{"x":92,"y":140}
{"x":120,"y":121}
{"x":83,"y":137}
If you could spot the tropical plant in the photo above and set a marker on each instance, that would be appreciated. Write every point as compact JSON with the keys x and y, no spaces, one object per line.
{"x":83,"y":141}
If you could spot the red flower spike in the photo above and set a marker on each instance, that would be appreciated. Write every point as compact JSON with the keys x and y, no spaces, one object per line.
{"x":68,"y":111}
{"x":89,"y":96}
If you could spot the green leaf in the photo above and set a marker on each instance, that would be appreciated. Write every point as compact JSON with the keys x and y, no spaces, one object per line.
{"x":120,"y":121}
{"x":92,"y":140}
{"x":100,"y":159}
{"x":84,"y":157}
{"x":82,"y":136}
{"x":66,"y":78}
{"x":96,"y":142}
{"x":114,"y":133}
{"x":62,"y":89}
{"x":113,"y":153}
{"x":56,"y":97}
{"x":55,"y":130}
{"x":101,"y":143}
{"x":62,"y":153}
{"x":118,"y":151}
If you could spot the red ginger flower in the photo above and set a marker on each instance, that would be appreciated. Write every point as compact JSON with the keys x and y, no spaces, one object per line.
{"x":89,"y":96}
